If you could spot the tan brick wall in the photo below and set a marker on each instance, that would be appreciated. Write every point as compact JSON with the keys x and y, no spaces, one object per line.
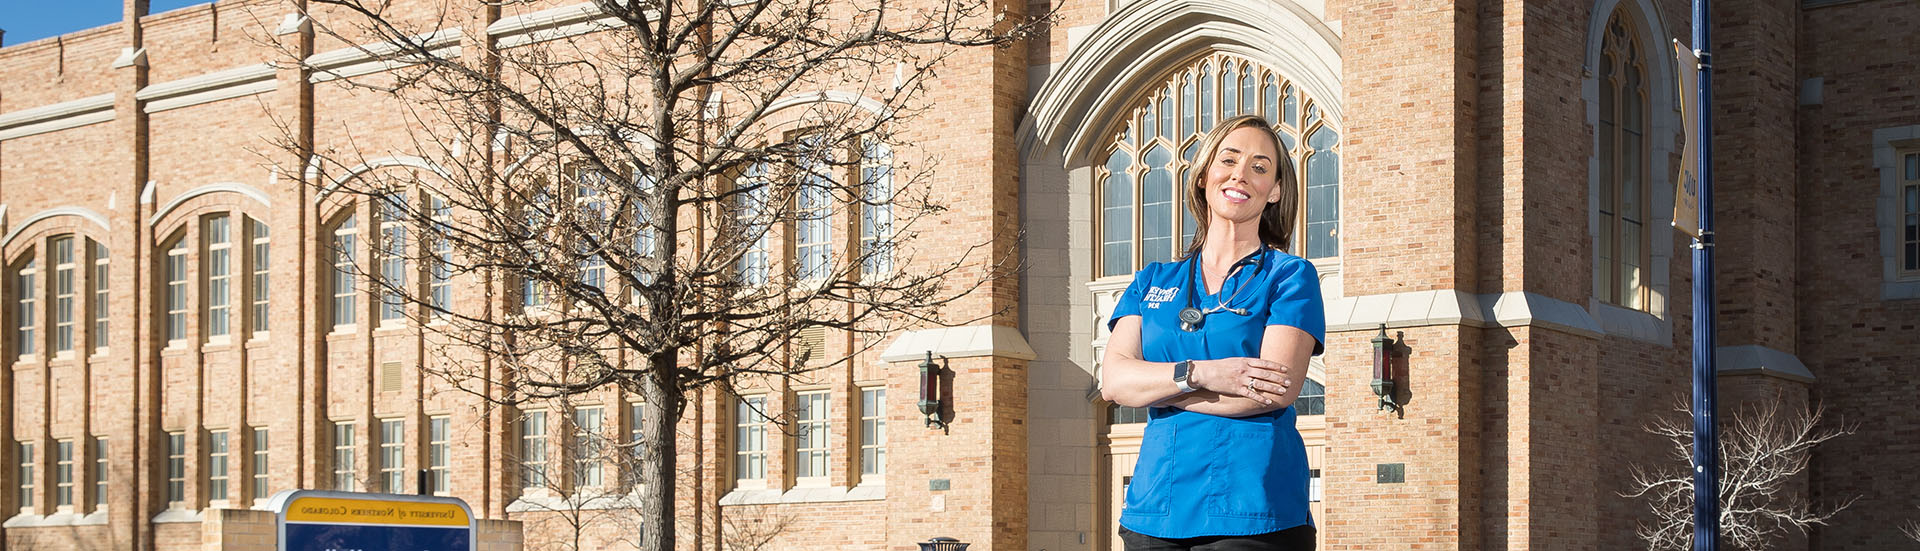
{"x":1855,"y":342}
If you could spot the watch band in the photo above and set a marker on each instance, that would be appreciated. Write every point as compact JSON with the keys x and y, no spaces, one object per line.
{"x":1181,"y":370}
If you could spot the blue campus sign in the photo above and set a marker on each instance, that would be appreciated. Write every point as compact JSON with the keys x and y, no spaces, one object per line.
{"x":311,"y":520}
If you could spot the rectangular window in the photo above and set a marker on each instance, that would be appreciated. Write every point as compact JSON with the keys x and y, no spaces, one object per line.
{"x":63,"y":294}
{"x":873,"y":431}
{"x":1314,"y":489}
{"x":342,"y":251}
{"x":219,"y":266}
{"x":533,"y":449}
{"x":437,"y":455}
{"x":876,"y":211}
{"x":1910,"y":215}
{"x":176,"y":469}
{"x":810,"y":451}
{"x":440,"y":287}
{"x":393,"y":443}
{"x":100,"y":473}
{"x":589,"y":199}
{"x":101,"y":308}
{"x":813,"y":240}
{"x":635,"y":453}
{"x":750,"y":438}
{"x":26,"y":475}
{"x":750,"y":213}
{"x":63,"y":473}
{"x":177,"y":290}
{"x":261,"y":467}
{"x":262,"y":260}
{"x":393,"y":257}
{"x":26,"y":312}
{"x":588,"y":465}
{"x":217,"y":454}
{"x":343,"y":457}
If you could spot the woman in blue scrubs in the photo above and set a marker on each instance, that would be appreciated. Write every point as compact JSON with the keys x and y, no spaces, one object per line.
{"x":1216,"y":345}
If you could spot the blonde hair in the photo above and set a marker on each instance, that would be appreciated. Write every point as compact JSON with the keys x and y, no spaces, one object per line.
{"x":1276,"y":220}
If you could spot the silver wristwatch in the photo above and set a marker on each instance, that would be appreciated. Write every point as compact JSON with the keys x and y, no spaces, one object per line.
{"x":1181,"y":370}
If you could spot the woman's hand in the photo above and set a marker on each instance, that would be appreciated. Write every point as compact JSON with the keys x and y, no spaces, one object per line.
{"x":1261,"y":380}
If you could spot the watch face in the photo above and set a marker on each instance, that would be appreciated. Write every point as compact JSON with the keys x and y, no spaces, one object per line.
{"x":1180,"y":370}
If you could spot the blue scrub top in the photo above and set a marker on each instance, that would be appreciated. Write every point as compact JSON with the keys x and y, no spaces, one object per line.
{"x":1206,"y":475}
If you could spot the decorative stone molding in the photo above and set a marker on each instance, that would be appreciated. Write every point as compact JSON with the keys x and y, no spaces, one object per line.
{"x":210,"y":87}
{"x":1753,"y":359}
{"x":130,"y":57}
{"x":84,"y":213}
{"x":1887,"y":146}
{"x":365,"y":59}
{"x":833,"y":494}
{"x":959,"y":342}
{"x":1451,"y":307}
{"x":59,"y":116}
{"x":1144,"y":39}
{"x":551,"y":24}
{"x":244,"y":190}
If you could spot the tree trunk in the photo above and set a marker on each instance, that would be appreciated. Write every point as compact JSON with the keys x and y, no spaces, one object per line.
{"x":659,"y":415}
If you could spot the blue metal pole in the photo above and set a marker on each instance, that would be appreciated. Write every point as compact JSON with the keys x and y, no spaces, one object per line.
{"x":1706,"y":437}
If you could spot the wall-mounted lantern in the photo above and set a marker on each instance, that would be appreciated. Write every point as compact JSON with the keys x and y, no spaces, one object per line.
{"x":930,"y":392}
{"x":1389,"y":367}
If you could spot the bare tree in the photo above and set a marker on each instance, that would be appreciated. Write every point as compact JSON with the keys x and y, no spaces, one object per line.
{"x":603,"y":205}
{"x":1762,"y":453}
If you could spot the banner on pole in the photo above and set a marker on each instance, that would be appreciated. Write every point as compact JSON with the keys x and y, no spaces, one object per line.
{"x":1686,"y":185}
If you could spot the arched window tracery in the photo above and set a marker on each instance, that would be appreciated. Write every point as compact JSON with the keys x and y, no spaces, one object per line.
{"x":1140,"y":180}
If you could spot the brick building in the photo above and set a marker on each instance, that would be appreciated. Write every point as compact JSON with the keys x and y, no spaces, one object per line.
{"x":1492,"y":179}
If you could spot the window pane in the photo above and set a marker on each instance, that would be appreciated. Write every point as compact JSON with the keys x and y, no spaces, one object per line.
{"x":100,"y":477}
{"x":261,"y":467}
{"x":1116,"y":222}
{"x":217,"y":465}
{"x":1323,"y":195}
{"x":1157,"y":206}
{"x":1312,"y":399}
{"x":1272,"y":92}
{"x":1206,"y":98}
{"x":1230,"y":92}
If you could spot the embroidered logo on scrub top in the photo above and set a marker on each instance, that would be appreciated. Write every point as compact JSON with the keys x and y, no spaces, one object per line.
{"x":1156,"y":296}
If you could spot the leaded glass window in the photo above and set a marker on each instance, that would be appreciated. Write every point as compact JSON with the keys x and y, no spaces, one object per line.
{"x":1622,"y":241}
{"x":1141,"y":181}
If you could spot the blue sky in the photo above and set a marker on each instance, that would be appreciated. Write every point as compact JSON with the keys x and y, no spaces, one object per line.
{"x":30,"y":20}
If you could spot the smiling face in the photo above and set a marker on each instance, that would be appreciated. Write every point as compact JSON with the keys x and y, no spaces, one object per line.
{"x":1243,"y":177}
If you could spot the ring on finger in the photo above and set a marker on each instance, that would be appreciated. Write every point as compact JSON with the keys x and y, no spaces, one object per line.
{"x":1250,"y":387}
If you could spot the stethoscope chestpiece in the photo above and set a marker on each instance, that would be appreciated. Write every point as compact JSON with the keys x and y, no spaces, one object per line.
{"x":1190,"y":318}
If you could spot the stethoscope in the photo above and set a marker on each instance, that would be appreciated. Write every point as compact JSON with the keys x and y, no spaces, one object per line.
{"x":1192,"y":317}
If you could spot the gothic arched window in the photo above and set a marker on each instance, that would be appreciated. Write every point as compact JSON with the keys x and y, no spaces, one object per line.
{"x":1622,"y":246}
{"x":1142,"y":205}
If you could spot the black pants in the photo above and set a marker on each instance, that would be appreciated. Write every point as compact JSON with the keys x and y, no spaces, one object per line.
{"x":1298,"y":538}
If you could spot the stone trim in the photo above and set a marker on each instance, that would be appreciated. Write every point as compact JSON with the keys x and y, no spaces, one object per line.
{"x":1663,"y":125}
{"x":207,"y":88}
{"x":25,"y":520}
{"x":58,"y":116}
{"x":180,"y":516}
{"x":85,"y":213}
{"x":959,"y":342}
{"x":1753,"y":359}
{"x":834,"y":494}
{"x":366,"y":59}
{"x":244,"y":190}
{"x":552,"y":24}
{"x":1887,"y":143}
{"x":1144,"y":39}
{"x":1451,"y":307}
